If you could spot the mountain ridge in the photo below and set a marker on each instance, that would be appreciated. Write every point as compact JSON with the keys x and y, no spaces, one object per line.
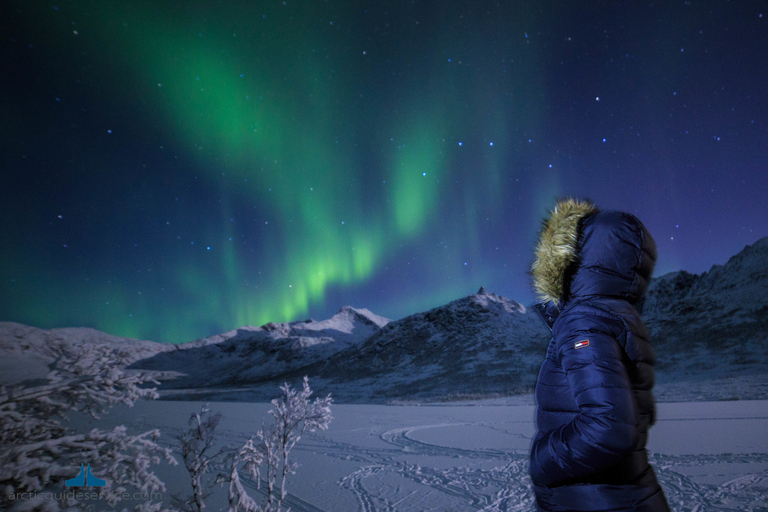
{"x":712,"y":325}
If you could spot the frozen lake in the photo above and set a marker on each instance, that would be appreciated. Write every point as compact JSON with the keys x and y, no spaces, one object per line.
{"x":708,"y":455}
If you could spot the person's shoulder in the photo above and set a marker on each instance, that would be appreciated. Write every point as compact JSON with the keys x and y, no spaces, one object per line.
{"x":588,"y":315}
{"x":589,"y":308}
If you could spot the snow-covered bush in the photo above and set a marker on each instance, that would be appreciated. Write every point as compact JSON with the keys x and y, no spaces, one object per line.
{"x":293,"y":415}
{"x":38,"y":452}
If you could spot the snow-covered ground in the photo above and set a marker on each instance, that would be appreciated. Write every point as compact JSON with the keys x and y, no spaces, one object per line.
{"x":473,"y":456}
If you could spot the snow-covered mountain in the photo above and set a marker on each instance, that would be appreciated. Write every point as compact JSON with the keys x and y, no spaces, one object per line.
{"x":714,"y":324}
{"x":251,"y":355}
{"x":479,"y":345}
{"x":483,"y":344}
{"x":711,"y":329}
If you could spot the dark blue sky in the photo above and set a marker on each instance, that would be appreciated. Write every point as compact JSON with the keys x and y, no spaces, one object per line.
{"x":173,"y":170}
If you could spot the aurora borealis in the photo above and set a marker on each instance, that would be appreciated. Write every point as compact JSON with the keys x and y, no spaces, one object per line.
{"x":173,"y":170}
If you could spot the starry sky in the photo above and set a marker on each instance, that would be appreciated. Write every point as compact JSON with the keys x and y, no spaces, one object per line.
{"x":173,"y":170}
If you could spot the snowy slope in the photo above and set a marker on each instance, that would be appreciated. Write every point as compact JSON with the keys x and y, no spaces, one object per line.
{"x":26,"y":352}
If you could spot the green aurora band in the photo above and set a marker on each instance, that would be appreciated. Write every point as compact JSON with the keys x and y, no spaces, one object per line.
{"x":285,"y":122}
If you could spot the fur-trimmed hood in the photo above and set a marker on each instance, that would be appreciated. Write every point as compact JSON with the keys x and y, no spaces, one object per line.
{"x":557,"y":247}
{"x":582,"y":251}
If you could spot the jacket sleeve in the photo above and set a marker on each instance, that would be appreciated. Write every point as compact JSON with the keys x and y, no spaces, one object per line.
{"x":603,"y":431}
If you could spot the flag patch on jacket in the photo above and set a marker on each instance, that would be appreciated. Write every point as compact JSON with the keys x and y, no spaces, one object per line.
{"x":581,"y":344}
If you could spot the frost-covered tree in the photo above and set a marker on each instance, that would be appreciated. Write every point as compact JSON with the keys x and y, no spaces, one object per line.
{"x":196,"y":449}
{"x":38,"y":451}
{"x":250,"y":456}
{"x":293,"y":415}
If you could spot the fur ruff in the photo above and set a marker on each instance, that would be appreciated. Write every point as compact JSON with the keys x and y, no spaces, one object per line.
{"x":558,"y":247}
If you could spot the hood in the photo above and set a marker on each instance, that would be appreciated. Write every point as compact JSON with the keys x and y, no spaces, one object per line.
{"x":583,"y":251}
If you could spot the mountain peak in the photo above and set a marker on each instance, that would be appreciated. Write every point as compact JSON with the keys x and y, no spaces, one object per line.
{"x":364,"y":315}
{"x":481,"y":291}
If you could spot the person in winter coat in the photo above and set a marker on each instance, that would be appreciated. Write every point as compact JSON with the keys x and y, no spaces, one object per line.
{"x":594,"y":391}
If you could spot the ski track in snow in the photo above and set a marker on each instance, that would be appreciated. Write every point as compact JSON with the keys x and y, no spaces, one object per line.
{"x":508,"y":487}
{"x":411,"y":469}
{"x":745,"y":492}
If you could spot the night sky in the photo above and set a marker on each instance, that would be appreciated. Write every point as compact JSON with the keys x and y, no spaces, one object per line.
{"x":172,"y":170}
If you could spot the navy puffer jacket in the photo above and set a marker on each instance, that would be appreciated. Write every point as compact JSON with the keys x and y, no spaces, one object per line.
{"x":594,"y":391}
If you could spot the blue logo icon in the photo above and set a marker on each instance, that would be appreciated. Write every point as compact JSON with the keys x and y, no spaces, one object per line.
{"x":83,"y":476}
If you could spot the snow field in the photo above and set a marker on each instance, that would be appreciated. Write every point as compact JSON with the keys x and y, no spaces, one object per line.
{"x":472,"y":457}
